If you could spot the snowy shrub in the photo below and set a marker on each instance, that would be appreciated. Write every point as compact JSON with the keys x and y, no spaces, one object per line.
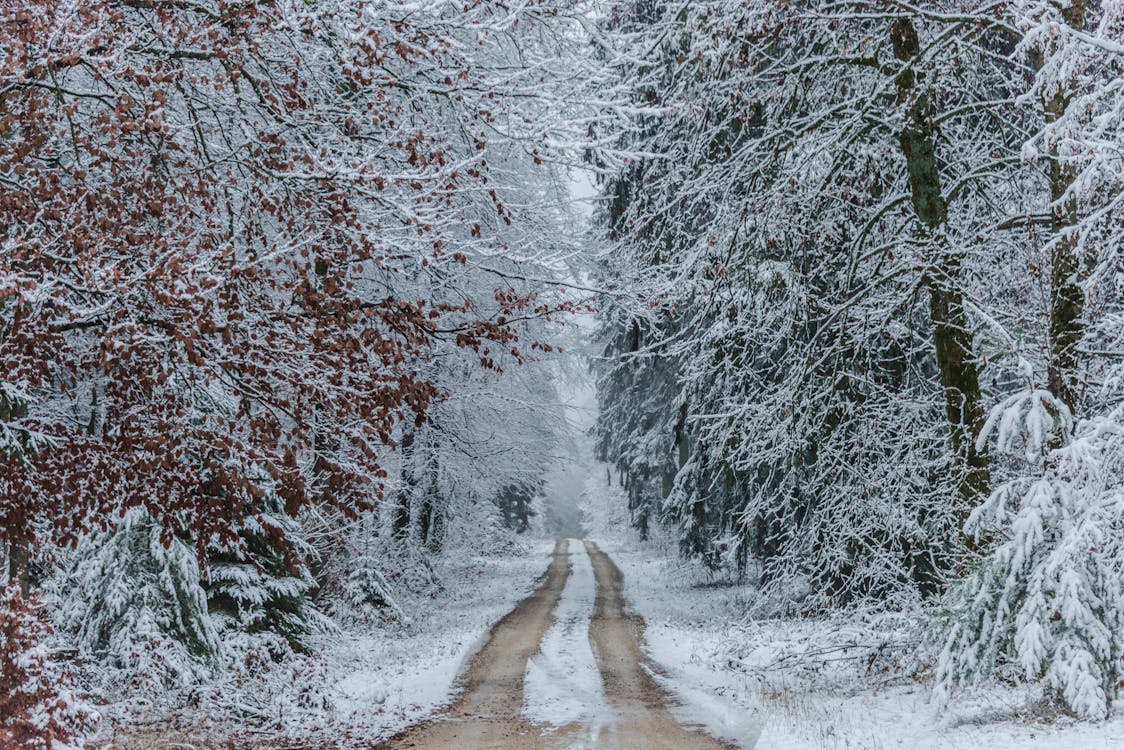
{"x":1046,"y":598}
{"x":259,"y":586}
{"x":291,"y":694}
{"x":367,"y":592}
{"x":38,"y":708}
{"x":136,"y":601}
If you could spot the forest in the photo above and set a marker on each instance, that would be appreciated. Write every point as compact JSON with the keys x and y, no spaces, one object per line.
{"x":320,"y":320}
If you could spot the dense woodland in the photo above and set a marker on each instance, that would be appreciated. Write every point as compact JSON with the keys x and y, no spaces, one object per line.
{"x":865,"y":339}
{"x":285,"y":289}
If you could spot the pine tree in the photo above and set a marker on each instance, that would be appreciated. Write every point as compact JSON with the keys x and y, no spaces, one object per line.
{"x":367,"y":594}
{"x":134,"y":598}
{"x":514,"y":501}
{"x":261,"y":584}
{"x":1047,"y":598}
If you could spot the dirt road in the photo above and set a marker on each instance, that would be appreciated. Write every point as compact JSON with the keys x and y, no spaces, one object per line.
{"x":487,"y":713}
{"x":487,"y":716}
{"x":639,"y":704}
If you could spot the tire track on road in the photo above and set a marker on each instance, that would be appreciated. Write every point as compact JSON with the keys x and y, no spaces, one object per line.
{"x":643,"y":720}
{"x":487,"y":715}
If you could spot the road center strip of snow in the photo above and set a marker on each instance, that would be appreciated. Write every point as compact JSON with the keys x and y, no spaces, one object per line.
{"x":563,"y":682}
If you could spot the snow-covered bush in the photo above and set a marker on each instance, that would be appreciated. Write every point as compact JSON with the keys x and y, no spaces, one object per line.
{"x":261,"y":586}
{"x":135,"y":600}
{"x":38,"y":708}
{"x":1045,"y":600}
{"x":366,"y":593}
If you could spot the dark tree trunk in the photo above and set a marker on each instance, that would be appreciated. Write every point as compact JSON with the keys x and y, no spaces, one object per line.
{"x":952,"y":335}
{"x":436,"y":531}
{"x":402,"y":508}
{"x":431,"y":518}
{"x":1067,"y":298}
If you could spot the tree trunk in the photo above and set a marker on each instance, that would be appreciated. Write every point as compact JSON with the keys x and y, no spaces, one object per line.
{"x":952,"y":335}
{"x":1067,"y":298}
{"x":681,"y":443}
{"x":19,"y":544}
{"x":436,"y":538}
{"x":402,"y":509}
{"x":431,"y":518}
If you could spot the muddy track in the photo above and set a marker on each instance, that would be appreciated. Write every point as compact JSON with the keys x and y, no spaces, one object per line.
{"x":488,"y":715}
{"x":640,"y":706}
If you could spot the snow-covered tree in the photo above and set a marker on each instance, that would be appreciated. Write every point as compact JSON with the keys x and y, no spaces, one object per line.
{"x":814,"y":189}
{"x":1079,"y":60}
{"x":249,"y":249}
{"x":497,"y":430}
{"x":134,"y":599}
{"x":270,"y":214}
{"x":1047,"y":599}
{"x":515,"y":503}
{"x":261,"y":584}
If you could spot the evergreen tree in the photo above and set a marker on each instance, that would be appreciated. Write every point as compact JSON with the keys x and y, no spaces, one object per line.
{"x":514,"y":501}
{"x":134,"y":597}
{"x":260,"y":583}
{"x":1047,"y":598}
{"x":366,"y":593}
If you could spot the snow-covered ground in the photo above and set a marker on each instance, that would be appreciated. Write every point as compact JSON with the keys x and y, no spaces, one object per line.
{"x":563,"y":682}
{"x":389,"y":679}
{"x":762,"y":685}
{"x":367,"y":682}
{"x":771,"y":685}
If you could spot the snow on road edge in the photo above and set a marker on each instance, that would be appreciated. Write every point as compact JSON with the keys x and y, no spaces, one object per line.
{"x":386,"y":681}
{"x":692,"y":622}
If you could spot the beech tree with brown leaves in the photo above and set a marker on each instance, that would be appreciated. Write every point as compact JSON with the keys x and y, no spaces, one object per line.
{"x":249,"y":245}
{"x":232,"y":231}
{"x":38,"y":707}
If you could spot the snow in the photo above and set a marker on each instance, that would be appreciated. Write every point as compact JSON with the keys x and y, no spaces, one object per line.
{"x":389,"y":680}
{"x":563,"y":683}
{"x":722,"y":668}
{"x":365,"y":681}
{"x":759,"y":684}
